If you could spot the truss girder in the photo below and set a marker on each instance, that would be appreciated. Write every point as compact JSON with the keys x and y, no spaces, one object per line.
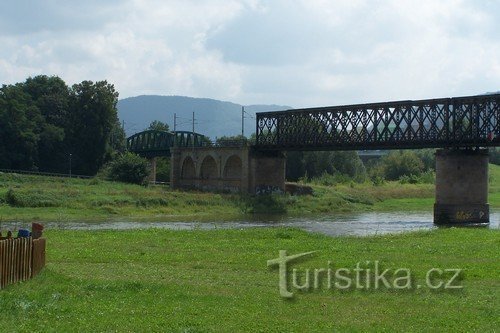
{"x":436,"y":123}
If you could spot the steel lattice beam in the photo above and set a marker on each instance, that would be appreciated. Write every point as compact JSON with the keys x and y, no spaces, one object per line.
{"x":153,"y":143}
{"x":472,"y":121}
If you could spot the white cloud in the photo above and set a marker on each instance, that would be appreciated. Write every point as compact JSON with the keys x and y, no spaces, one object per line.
{"x":299,"y":53}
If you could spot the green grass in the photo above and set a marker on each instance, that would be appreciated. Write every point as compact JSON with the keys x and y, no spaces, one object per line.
{"x":217,"y":281}
{"x":26,"y":198}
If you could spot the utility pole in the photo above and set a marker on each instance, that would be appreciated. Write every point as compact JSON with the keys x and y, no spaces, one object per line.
{"x":192,"y":141}
{"x":242,"y":122}
{"x":175,"y":128}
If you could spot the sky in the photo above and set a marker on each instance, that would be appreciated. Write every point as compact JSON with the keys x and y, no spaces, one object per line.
{"x":301,"y":53}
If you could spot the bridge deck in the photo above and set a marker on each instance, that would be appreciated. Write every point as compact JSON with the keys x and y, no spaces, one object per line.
{"x":435,"y":123}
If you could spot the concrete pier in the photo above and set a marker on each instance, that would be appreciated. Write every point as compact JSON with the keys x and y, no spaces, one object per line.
{"x":152,"y":169}
{"x":461,"y":187}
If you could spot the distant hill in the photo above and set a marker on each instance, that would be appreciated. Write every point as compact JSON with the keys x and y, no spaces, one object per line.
{"x":214,"y":118}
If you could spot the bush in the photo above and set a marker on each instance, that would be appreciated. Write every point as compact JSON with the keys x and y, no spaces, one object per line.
{"x":265,"y":204}
{"x":129,"y":168}
{"x":327,"y":179}
{"x":401,"y":163}
{"x":163,"y":169}
{"x":427,"y":177}
{"x":23,"y":198}
{"x":378,"y":180}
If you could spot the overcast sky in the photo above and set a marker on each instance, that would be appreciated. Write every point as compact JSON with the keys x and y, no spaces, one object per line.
{"x":291,"y":52}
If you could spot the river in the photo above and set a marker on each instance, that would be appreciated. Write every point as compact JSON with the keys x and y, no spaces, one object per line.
{"x":357,"y":224}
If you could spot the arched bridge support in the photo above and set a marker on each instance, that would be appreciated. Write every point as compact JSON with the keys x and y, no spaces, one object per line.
{"x":228,"y":169}
{"x":461,"y":186}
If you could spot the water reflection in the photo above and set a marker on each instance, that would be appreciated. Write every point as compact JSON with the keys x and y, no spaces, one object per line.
{"x":359,"y":224}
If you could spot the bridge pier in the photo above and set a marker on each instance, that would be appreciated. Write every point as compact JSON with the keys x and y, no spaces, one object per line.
{"x":152,"y":169}
{"x":267,"y":172}
{"x":461,"y":186}
{"x":228,"y":169}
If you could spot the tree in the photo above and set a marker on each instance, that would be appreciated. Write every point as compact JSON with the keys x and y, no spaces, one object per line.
{"x":19,"y":129}
{"x":316,"y":163}
{"x":50,"y":95}
{"x":158,"y":126}
{"x":129,"y":168}
{"x":43,"y":121}
{"x":93,"y":117}
{"x":118,"y":139}
{"x":401,"y":163}
{"x":225,"y":140}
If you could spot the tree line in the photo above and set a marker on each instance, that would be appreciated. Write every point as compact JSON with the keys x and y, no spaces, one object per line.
{"x":45,"y":125}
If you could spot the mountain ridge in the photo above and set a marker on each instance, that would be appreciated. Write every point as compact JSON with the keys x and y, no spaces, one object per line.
{"x":213,"y":118}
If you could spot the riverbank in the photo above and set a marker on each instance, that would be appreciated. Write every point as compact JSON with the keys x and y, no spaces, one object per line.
{"x":27,"y":198}
{"x":218,"y":281}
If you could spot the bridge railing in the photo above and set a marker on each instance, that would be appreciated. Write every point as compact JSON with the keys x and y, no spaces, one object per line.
{"x":434,"y":123}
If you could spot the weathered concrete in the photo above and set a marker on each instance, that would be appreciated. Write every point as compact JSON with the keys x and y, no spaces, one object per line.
{"x":461,"y":187}
{"x":152,"y":169}
{"x":267,"y":172}
{"x":228,"y":169}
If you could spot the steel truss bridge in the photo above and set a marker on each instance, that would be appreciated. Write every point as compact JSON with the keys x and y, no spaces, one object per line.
{"x":472,"y":121}
{"x":152,"y":143}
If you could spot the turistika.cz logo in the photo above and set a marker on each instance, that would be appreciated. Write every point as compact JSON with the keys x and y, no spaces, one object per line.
{"x":367,"y":275}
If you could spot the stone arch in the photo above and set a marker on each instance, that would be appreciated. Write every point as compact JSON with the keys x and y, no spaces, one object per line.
{"x":188,"y":170}
{"x":233,"y":167}
{"x":208,"y":168}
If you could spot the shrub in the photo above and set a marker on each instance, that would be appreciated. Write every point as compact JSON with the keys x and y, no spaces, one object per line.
{"x":401,"y":163}
{"x":129,"y":168}
{"x":378,"y":180}
{"x":20,"y":198}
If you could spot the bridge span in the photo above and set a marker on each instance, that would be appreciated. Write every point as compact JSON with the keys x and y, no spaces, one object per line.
{"x":460,"y":127}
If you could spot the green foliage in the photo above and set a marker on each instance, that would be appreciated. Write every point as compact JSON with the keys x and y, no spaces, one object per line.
{"x":163,"y":169}
{"x":377,"y":180}
{"x":428,"y":158}
{"x":20,"y":198}
{"x":157,"y":125}
{"x":341,"y":164}
{"x":327,"y":179}
{"x":93,"y":116}
{"x":43,"y":121}
{"x":230,"y":139}
{"x":118,"y":140}
{"x":495,"y":155}
{"x":19,"y":129}
{"x":98,"y":199}
{"x":129,"y":168}
{"x":399,"y":163}
{"x":265,"y":204}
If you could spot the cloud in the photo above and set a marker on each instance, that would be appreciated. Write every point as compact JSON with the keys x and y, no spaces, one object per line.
{"x":300,"y":53}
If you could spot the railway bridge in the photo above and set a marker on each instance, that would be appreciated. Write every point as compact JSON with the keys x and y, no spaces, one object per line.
{"x":461,"y":128}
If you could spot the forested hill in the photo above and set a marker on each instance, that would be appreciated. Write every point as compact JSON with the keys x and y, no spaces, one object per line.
{"x":214,"y":118}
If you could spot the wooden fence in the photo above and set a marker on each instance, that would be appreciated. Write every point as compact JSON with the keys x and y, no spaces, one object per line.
{"x":20,"y":259}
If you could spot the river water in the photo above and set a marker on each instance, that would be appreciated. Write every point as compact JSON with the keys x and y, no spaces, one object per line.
{"x":358,"y":224}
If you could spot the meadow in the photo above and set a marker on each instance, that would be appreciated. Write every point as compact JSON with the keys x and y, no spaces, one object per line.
{"x":218,"y":281}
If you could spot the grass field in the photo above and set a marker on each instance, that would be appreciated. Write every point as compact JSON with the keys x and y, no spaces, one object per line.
{"x":218,"y":281}
{"x":26,"y":198}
